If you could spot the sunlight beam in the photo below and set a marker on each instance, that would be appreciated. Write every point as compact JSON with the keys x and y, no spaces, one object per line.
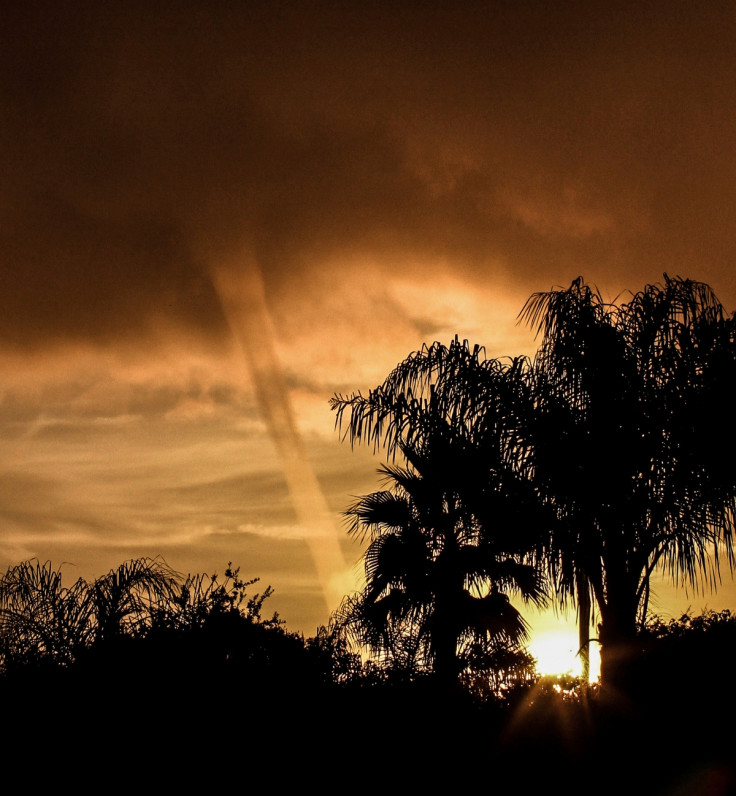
{"x":240,"y":287}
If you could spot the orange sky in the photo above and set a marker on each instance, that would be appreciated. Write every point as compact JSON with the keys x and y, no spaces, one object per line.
{"x":376,"y":177}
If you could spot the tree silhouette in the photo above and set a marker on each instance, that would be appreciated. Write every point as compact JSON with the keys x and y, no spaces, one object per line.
{"x":123,"y":601}
{"x":603,"y":458}
{"x":632,"y":419}
{"x":41,"y":621}
{"x":433,"y":598}
{"x":45,"y":624}
{"x":435,"y":577}
{"x":142,"y":659}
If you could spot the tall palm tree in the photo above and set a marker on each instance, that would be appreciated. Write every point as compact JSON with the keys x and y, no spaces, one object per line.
{"x":434,"y":576}
{"x":631,"y":443}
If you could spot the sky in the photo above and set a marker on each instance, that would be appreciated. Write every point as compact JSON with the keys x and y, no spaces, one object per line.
{"x":216,"y":215}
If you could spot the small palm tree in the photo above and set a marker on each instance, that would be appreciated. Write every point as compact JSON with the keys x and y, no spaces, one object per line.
{"x":435,"y":584}
{"x":123,"y":601}
{"x":41,"y":622}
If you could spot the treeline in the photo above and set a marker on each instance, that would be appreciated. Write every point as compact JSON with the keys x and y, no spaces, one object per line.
{"x":142,"y":660}
{"x":140,"y":616}
{"x":143,"y":620}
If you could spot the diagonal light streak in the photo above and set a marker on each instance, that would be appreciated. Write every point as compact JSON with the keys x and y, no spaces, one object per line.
{"x":241,"y":291}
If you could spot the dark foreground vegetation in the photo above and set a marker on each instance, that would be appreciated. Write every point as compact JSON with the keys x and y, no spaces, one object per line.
{"x":187,"y":679}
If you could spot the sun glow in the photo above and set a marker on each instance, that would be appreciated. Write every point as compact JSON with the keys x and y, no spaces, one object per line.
{"x":556,"y":652}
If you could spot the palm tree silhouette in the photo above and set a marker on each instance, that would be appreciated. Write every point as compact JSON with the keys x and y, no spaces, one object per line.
{"x":433,"y":597}
{"x":44,"y":622}
{"x":123,"y":601}
{"x":604,"y":458}
{"x":41,"y":621}
{"x":435,"y":577}
{"x":632,"y":436}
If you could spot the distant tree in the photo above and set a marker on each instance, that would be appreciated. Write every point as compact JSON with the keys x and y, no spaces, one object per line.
{"x":142,"y":656}
{"x":43,"y":622}
{"x":124,"y":601}
{"x":199,"y":598}
{"x":498,"y":670}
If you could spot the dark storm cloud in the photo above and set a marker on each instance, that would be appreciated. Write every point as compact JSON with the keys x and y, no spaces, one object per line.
{"x":138,"y":140}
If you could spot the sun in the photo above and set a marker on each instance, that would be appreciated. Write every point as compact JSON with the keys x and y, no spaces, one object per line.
{"x":556,"y":652}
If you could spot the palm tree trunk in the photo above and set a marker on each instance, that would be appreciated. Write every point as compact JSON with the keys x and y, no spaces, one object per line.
{"x":620,"y":653}
{"x":444,"y":640}
{"x":584,"y":608}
